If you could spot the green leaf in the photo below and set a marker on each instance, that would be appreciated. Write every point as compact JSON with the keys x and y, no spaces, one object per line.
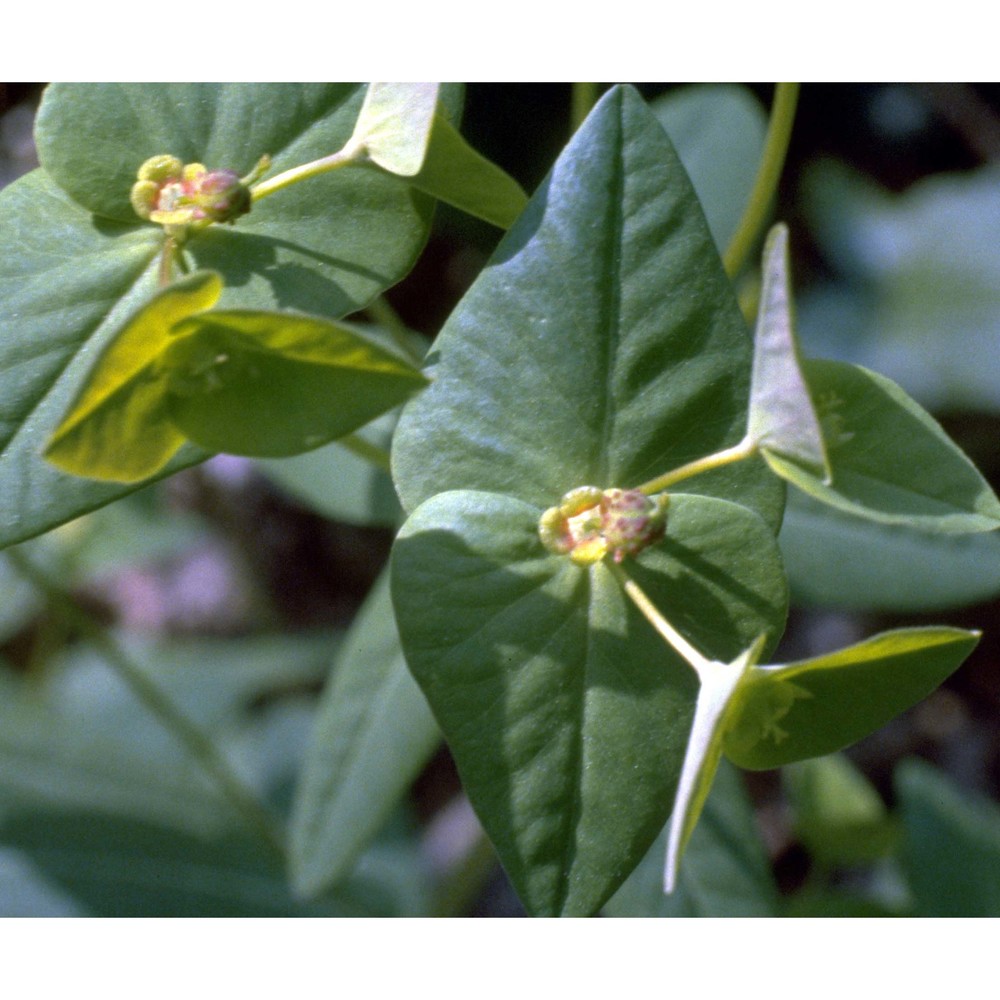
{"x":372,"y":737}
{"x":565,"y":712}
{"x":808,"y":708}
{"x":75,"y":266}
{"x":272,"y":384}
{"x":836,"y":560}
{"x":891,"y":461}
{"x":455,"y":173}
{"x":117,"y":867}
{"x":394,"y":125}
{"x":951,"y":852}
{"x":580,"y":356}
{"x":782,"y":419}
{"x":718,"y":131}
{"x":725,"y":873}
{"x":839,"y":816}
{"x":118,"y":427}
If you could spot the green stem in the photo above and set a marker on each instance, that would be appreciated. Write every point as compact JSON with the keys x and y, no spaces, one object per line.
{"x":583,"y":99}
{"x":772,"y":162}
{"x":378,"y":457}
{"x":674,"y":639}
{"x":747,"y":448}
{"x":387,"y":317}
{"x":195,"y":741}
{"x":464,"y":885}
{"x":353,"y":152}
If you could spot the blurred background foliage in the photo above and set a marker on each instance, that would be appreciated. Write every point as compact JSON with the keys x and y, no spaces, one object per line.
{"x":247,"y":592}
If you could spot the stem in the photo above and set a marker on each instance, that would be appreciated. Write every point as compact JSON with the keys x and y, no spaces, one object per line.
{"x":772,"y":162}
{"x":353,"y":152}
{"x":379,"y":457}
{"x":584,"y":97}
{"x":747,"y":448}
{"x":387,"y":317}
{"x":674,"y":639}
{"x":157,"y":701}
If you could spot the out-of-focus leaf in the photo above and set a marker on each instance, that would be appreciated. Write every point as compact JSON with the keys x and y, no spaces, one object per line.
{"x":339,"y":483}
{"x":836,"y":560}
{"x":121,"y":868}
{"x":951,"y":850}
{"x":718,"y":131}
{"x":928,"y":262}
{"x":838,"y":814}
{"x":373,"y":735}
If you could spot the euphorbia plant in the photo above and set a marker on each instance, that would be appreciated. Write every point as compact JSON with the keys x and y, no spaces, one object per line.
{"x":593,"y":459}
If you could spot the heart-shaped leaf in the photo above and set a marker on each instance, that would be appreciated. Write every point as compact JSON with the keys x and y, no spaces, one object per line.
{"x":595,"y":353}
{"x":566,"y":714}
{"x":272,"y":384}
{"x":890,"y":460}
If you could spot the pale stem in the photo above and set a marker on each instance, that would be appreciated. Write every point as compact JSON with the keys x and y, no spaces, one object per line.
{"x":353,"y":152}
{"x":772,"y":162}
{"x":378,"y":457}
{"x":673,"y":638}
{"x":158,"y":702}
{"x":747,"y":448}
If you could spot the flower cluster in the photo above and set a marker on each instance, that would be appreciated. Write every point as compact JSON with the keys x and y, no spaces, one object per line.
{"x":173,"y":193}
{"x":590,"y":523}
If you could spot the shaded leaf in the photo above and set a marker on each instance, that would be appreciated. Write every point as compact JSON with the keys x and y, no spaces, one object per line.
{"x":836,"y":560}
{"x":839,"y":816}
{"x":951,"y":851}
{"x":455,"y":173}
{"x":890,"y":459}
{"x":339,"y":483}
{"x":272,"y":384}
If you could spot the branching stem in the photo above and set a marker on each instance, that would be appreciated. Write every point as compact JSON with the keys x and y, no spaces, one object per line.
{"x":746,"y":448}
{"x":353,"y":152}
